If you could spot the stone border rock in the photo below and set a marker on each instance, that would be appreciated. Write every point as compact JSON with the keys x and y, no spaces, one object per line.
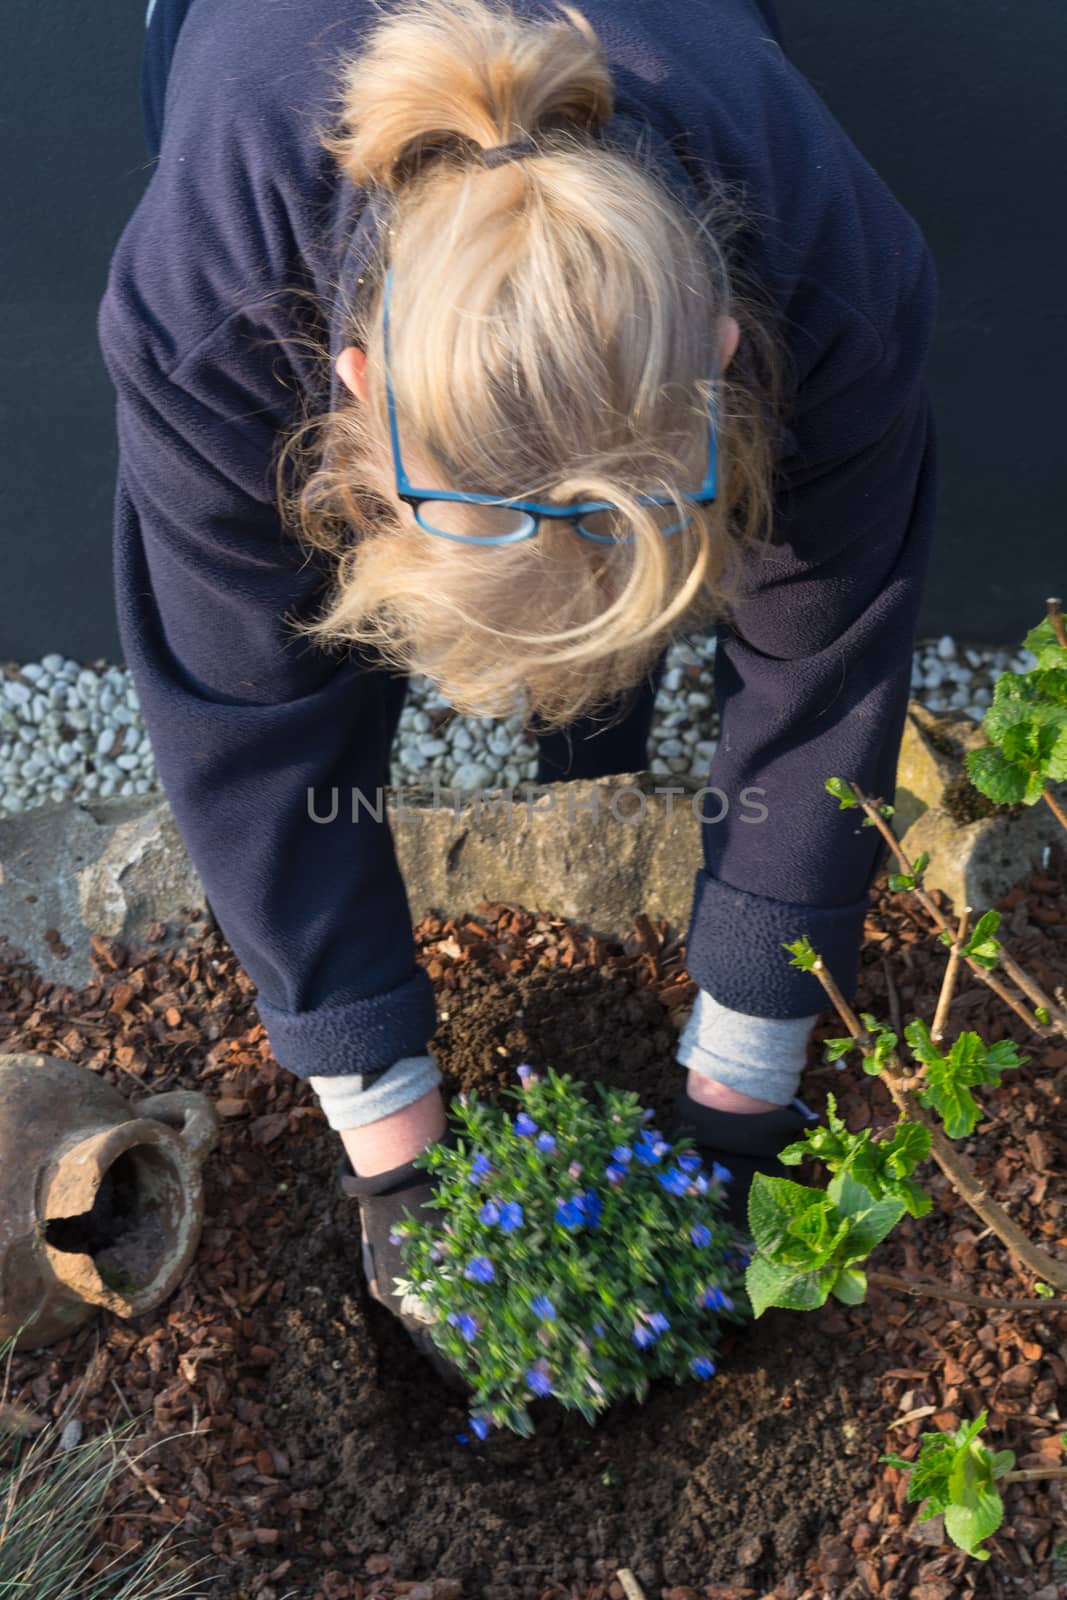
{"x":593,"y":851}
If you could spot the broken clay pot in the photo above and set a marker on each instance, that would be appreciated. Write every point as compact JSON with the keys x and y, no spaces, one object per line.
{"x":101,"y":1200}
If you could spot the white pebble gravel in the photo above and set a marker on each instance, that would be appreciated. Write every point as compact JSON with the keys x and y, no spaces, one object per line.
{"x":72,"y":730}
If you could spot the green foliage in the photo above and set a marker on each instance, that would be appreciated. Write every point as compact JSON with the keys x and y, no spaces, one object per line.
{"x":1041,"y":1015}
{"x":810,"y":1242}
{"x":1027,"y":726}
{"x":950,"y":1078}
{"x":981,"y":946}
{"x":842,"y":792}
{"x":882,"y":1166}
{"x":804,"y":954}
{"x":899,"y":881}
{"x":882,"y":1042}
{"x":1043,"y":643}
{"x":885,"y":811}
{"x":52,"y":1496}
{"x":955,"y":1475}
{"x":580,"y":1255}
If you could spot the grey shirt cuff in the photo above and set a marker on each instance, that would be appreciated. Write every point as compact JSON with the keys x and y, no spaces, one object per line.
{"x":347,"y":1104}
{"x":760,"y":1056}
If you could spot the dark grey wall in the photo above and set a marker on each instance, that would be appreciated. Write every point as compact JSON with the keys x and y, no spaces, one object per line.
{"x":961,"y":108}
{"x":74,"y":165}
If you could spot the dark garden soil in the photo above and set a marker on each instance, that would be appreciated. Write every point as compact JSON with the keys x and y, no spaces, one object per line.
{"x":317,"y":1455}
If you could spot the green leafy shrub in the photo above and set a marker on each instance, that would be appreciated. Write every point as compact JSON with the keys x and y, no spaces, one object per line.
{"x":582,"y":1255}
{"x":1027,"y":726}
{"x":812,"y":1243}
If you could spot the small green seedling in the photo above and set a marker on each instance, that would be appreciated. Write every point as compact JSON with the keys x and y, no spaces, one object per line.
{"x":955,"y":1474}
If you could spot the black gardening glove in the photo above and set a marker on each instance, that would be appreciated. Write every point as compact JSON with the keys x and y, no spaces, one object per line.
{"x":384,"y":1201}
{"x":746,"y":1142}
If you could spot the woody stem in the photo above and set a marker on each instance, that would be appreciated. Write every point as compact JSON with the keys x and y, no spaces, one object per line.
{"x":958,"y":1172}
{"x":948,"y":982}
{"x":1033,"y":990}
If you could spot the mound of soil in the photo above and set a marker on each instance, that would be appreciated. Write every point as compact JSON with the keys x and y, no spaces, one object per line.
{"x":310,"y":1452}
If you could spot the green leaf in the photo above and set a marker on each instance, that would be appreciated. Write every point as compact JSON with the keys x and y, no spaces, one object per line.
{"x":982,"y":946}
{"x":975,"y":1510}
{"x":836,"y":1048}
{"x":1041,"y":1013}
{"x":851,"y":1287}
{"x":842,"y":792}
{"x":804,"y":954}
{"x":950,"y":1078}
{"x":769,"y":1284}
{"x":991,"y":773}
{"x":916,"y":1201}
{"x":922,"y":1046}
{"x":909,"y":1146}
{"x":1043,"y":643}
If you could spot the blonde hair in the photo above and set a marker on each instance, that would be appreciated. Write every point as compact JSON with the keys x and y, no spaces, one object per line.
{"x":554,"y":324}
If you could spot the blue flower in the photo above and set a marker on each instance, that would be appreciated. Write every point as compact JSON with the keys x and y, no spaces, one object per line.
{"x":462,"y":1438}
{"x":658,"y":1322}
{"x":593,"y":1207}
{"x":720,"y":1173}
{"x":599,"y":1329}
{"x":480,"y":1427}
{"x":570,"y":1213}
{"x":674,"y":1180}
{"x":467,"y":1325}
{"x":524,"y":1070}
{"x":396,"y":1238}
{"x":511,"y":1215}
{"x":714,"y":1300}
{"x":623,"y":1154}
{"x":479,"y":1168}
{"x":479,"y":1269}
{"x":525,"y":1125}
{"x":689,"y":1162}
{"x":701,"y":1184}
{"x":642,"y":1336}
{"x":545,"y":1142}
{"x":542,"y":1307}
{"x":702,"y":1367}
{"x":700,"y":1235}
{"x":538,"y":1381}
{"x":490,"y":1213}
{"x":613,"y":1173}
{"x":646,"y":1116}
{"x":650,"y":1146}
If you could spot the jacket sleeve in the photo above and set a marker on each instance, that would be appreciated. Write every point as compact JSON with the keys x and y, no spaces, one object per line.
{"x":257,"y":738}
{"x":813,"y":669}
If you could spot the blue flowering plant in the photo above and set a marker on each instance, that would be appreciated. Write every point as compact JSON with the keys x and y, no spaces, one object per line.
{"x":579,"y":1256}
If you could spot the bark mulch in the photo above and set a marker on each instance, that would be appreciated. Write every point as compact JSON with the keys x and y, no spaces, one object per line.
{"x":309,"y":1451}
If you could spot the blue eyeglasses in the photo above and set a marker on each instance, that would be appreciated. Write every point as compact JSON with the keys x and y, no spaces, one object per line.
{"x":516,"y":520}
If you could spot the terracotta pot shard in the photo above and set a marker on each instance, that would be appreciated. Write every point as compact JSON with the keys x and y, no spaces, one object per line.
{"x":101,"y":1201}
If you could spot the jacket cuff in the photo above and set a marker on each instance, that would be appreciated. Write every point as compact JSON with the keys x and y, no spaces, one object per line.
{"x":734,"y":949}
{"x":362,"y":1036}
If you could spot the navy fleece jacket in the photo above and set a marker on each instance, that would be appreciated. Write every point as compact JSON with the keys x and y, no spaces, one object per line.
{"x":196,"y":328}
